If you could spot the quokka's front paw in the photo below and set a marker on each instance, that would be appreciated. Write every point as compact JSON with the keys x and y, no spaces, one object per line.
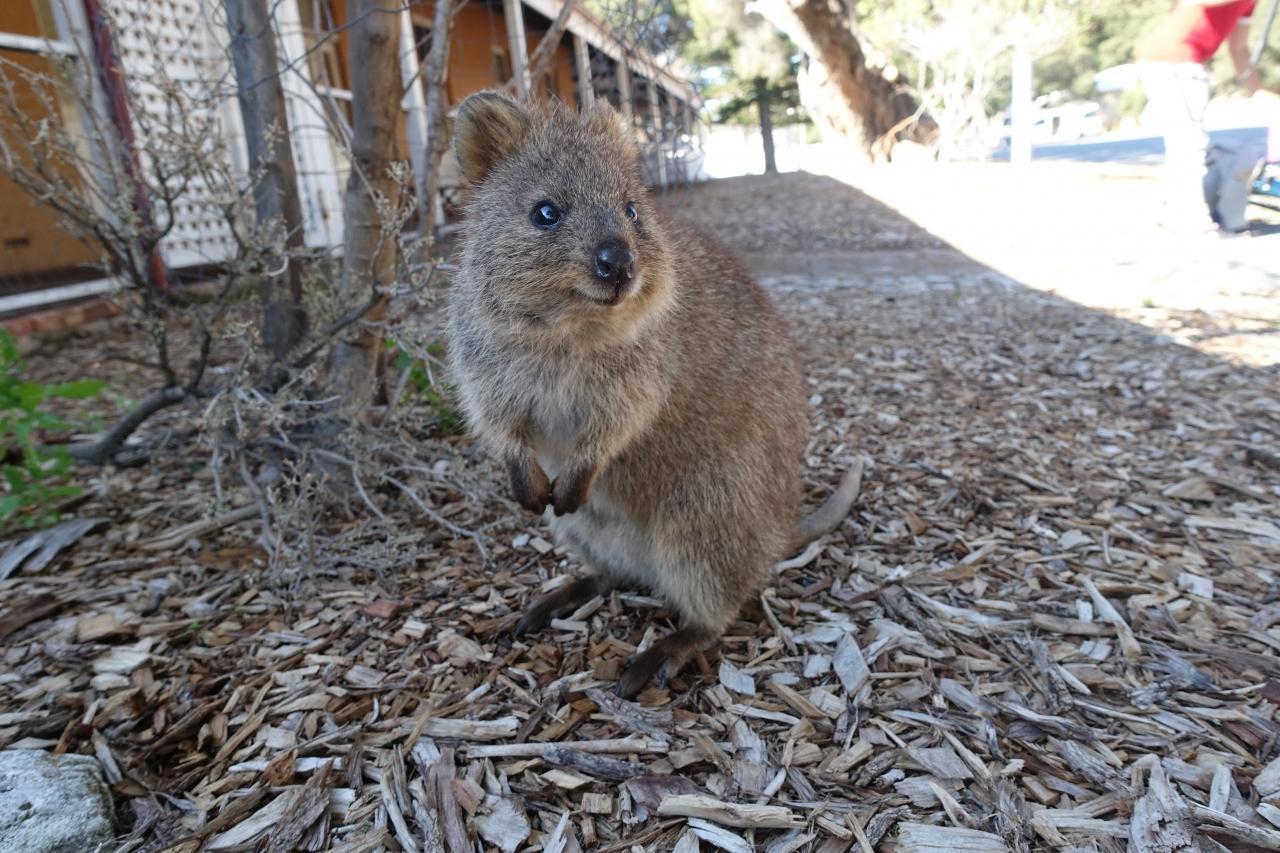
{"x":529,"y":484}
{"x":571,"y":489}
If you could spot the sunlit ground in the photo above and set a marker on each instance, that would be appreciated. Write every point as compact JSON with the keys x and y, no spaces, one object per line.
{"x":1088,"y":232}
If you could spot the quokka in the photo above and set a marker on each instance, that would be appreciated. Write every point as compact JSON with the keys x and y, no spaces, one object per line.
{"x":629,"y":373}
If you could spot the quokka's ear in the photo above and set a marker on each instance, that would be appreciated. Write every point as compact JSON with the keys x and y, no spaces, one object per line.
{"x":488,"y":129}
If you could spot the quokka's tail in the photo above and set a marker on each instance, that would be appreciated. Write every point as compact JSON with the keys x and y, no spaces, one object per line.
{"x":827,"y":517}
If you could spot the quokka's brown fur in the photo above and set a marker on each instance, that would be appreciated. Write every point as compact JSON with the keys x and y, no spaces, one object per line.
{"x":661,"y":415}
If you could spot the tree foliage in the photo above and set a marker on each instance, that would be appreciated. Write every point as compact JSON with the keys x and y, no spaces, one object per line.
{"x":734,"y":48}
{"x":1102,"y":35}
{"x":956,"y":56}
{"x":1086,"y":37}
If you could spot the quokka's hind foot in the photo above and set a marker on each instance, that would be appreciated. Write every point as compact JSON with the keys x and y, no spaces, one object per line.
{"x":663,"y":659}
{"x":560,"y":602}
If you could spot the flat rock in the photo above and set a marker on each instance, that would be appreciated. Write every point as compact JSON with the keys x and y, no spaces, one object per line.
{"x":52,"y":803}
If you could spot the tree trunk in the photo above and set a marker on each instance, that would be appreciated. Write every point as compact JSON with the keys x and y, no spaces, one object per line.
{"x":766,"y":125}
{"x":279,"y":212}
{"x":436,"y":75}
{"x":368,"y":263}
{"x":848,"y":99}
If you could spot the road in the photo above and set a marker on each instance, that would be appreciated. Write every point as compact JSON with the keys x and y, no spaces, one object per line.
{"x":1147,"y":150}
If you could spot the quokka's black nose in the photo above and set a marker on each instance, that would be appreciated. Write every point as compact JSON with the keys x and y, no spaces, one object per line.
{"x":615,"y":263}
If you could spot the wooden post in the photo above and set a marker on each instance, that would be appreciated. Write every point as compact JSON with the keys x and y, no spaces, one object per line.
{"x":659,"y":132}
{"x":436,"y":72}
{"x":117,"y":102}
{"x":513,"y":12}
{"x":624,"y":90}
{"x":582,"y":56}
{"x":369,"y":248}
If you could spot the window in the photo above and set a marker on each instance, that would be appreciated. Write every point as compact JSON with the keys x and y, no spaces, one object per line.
{"x":324,"y":48}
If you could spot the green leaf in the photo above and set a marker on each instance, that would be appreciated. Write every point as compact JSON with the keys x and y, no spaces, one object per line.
{"x":16,"y":477}
{"x":9,"y":504}
{"x":81,"y":390}
{"x":28,"y":395}
{"x":39,"y":482}
{"x":10,"y":356}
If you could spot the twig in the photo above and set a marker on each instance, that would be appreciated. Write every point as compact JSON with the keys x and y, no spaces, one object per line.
{"x":178,"y":535}
{"x":438,"y":518}
{"x":535,"y":749}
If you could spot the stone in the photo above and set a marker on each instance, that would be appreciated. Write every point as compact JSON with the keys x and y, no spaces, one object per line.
{"x":52,"y":803}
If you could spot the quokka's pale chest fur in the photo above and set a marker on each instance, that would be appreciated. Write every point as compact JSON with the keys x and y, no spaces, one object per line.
{"x":627,"y":371}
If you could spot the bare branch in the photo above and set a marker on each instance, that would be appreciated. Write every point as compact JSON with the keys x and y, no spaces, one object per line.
{"x":101,"y":451}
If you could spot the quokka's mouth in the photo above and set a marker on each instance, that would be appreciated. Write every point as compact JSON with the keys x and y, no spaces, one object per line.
{"x":608,"y":297}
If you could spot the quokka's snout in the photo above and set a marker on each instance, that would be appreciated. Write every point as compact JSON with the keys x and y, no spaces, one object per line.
{"x":615,"y":263}
{"x":629,"y":373}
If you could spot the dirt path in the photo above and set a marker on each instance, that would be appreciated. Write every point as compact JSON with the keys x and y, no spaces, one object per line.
{"x":1061,"y":573}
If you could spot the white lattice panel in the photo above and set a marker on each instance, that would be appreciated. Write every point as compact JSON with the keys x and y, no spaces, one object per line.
{"x":188,"y":41}
{"x":174,"y":40}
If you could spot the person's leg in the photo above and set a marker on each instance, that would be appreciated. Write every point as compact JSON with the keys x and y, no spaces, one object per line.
{"x":1177,"y":94}
{"x":1236,"y":174}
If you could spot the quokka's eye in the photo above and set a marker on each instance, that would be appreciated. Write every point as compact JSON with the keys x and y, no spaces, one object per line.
{"x":632,"y":213}
{"x":545,"y":215}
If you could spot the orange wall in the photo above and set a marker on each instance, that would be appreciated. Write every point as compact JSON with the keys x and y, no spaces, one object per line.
{"x":479,"y":34}
{"x":31,"y":241}
{"x":564,"y":71}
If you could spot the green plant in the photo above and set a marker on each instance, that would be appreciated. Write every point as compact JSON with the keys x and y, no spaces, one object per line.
{"x":427,"y":387}
{"x":35,"y":476}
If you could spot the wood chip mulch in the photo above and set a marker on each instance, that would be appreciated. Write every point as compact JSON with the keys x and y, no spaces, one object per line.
{"x":1051,"y":621}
